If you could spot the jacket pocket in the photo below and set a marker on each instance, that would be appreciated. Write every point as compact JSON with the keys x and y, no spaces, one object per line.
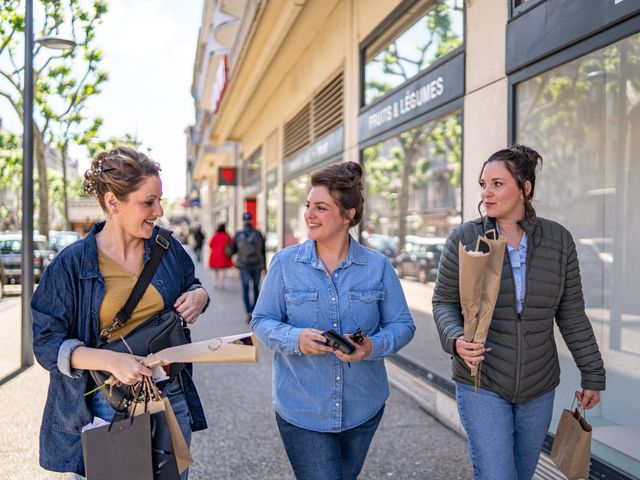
{"x":302,"y":307}
{"x":364,"y":307}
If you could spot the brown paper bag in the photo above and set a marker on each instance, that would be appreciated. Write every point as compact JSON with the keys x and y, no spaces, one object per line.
{"x":571,"y":450}
{"x":480,"y":272}
{"x":179,"y":444}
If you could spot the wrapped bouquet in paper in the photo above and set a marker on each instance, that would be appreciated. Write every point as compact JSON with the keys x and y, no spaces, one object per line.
{"x":480,"y":273}
{"x":231,"y":349}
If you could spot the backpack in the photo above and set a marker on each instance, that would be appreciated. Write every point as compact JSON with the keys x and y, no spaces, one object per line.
{"x":249,"y":248}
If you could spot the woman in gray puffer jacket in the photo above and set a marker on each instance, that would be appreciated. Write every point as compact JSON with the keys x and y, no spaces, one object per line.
{"x":507,"y":419}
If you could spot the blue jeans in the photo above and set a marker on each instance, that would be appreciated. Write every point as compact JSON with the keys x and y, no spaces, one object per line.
{"x":101,"y":408}
{"x":505,"y":439}
{"x":327,"y":456}
{"x":248,"y":275}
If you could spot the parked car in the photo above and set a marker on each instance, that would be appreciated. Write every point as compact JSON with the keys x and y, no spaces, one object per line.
{"x":11,"y":256}
{"x":385,"y":244}
{"x":420,"y":258}
{"x":58,"y":239}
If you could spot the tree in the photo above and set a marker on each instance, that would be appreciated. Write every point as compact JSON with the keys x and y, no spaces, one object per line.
{"x":91,"y":142}
{"x":61,"y":80}
{"x":10,"y":171}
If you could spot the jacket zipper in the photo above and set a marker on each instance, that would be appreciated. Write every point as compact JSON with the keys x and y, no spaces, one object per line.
{"x":519,"y":315}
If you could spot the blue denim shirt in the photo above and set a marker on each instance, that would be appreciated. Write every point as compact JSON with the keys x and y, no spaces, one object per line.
{"x":65,"y":310}
{"x":320,"y":392}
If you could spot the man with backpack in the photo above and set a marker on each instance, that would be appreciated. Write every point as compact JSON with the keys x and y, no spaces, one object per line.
{"x":249,"y":247}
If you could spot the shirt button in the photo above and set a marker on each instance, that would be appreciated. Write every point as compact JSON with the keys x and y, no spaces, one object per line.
{"x":160,"y":283}
{"x":335,"y":324}
{"x":337,"y":378}
{"x":335,"y":274}
{"x":337,"y":404}
{"x":333,"y":299}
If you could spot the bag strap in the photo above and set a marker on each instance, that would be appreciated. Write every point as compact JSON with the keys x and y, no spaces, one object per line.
{"x":122,"y":317}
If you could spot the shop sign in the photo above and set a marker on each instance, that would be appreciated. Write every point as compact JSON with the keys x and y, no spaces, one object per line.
{"x":422,"y":95}
{"x":556,"y":24}
{"x":220,"y":84}
{"x":323,"y":149}
{"x":227,"y":176}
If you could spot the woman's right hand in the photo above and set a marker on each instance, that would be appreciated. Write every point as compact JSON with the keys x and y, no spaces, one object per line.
{"x":471,"y":353}
{"x":127,"y":369}
{"x":311,"y":342}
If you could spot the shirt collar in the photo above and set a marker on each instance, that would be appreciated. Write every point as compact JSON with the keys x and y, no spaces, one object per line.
{"x":524,"y":242}
{"x":307,"y":254}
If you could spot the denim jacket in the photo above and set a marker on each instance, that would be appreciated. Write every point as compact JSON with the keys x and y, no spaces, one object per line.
{"x":65,"y":310}
{"x":320,"y":392}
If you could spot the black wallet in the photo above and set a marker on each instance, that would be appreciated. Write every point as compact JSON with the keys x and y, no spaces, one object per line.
{"x":339,"y":342}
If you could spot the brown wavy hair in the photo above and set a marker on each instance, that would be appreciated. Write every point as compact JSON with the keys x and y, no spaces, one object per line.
{"x":120,"y":171}
{"x":522,"y":162}
{"x":344,"y":182}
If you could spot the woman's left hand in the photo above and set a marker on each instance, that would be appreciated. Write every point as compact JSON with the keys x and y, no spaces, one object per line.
{"x":588,"y":398}
{"x":190,"y":304}
{"x":361,"y":352}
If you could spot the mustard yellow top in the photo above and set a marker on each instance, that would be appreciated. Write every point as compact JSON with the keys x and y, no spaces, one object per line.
{"x":119,"y":283}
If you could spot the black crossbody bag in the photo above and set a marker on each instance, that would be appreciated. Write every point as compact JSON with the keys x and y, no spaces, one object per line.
{"x":162,"y":330}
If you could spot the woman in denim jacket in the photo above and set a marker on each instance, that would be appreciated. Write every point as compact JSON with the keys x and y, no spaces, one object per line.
{"x":86,"y":285}
{"x":329,"y":404}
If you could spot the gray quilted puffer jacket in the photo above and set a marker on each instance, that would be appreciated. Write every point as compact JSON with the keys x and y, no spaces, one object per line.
{"x":523,"y":361}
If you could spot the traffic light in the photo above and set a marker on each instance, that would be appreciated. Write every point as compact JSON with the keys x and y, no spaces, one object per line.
{"x":227,"y":176}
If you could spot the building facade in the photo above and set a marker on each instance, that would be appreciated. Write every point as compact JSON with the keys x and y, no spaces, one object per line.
{"x":421,"y":92}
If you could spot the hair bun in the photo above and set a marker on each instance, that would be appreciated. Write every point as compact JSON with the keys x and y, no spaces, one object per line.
{"x":533,"y":157}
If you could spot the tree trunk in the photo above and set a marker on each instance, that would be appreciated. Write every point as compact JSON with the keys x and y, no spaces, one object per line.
{"x":65,"y":197}
{"x":43,"y":184}
{"x":403,"y":201}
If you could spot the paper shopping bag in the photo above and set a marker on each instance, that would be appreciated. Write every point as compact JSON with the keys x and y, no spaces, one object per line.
{"x":571,"y":450}
{"x":168,"y":429}
{"x":121,"y":449}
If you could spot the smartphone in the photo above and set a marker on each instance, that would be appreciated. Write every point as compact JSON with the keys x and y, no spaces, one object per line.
{"x":339,"y":342}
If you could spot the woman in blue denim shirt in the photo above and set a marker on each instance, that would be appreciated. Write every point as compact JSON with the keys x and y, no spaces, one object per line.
{"x":82,"y":289}
{"x":329,"y":404}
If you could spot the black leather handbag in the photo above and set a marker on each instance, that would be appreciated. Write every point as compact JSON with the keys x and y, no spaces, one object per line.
{"x":162,"y":330}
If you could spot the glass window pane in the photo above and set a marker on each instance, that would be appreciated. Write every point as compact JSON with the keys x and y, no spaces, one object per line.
{"x":412,"y":201}
{"x":584,"y":118}
{"x":411,"y":47}
{"x":272,"y":241}
{"x":295,"y":197}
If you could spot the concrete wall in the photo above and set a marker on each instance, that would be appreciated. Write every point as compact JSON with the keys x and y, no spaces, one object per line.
{"x":484,"y":130}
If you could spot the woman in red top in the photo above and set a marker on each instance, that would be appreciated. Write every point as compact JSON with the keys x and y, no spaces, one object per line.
{"x":218,"y":259}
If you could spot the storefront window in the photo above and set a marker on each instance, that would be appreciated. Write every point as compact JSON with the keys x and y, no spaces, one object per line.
{"x":412,"y":202}
{"x":295,"y":198}
{"x":412,"y":46}
{"x":252,"y":168}
{"x":584,"y":119}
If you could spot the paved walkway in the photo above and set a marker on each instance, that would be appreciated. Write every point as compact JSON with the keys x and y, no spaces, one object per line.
{"x":242,"y":441}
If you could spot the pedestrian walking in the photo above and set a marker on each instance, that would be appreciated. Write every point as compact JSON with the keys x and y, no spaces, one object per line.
{"x":507,"y":419}
{"x":84,"y":288}
{"x":198,"y":241}
{"x":249,"y":245}
{"x":328,"y":403}
{"x":220,"y":247}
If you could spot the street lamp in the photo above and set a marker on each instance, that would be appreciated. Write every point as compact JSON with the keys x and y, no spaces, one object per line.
{"x":26,"y":354}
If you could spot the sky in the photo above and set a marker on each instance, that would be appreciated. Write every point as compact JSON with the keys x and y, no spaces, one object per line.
{"x":149,"y":50}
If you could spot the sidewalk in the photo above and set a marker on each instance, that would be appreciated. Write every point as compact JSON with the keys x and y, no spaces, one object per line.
{"x":242,"y":441}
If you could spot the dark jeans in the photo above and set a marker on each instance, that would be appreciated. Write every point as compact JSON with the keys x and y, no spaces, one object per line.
{"x":250,"y":275}
{"x":327,"y":456}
